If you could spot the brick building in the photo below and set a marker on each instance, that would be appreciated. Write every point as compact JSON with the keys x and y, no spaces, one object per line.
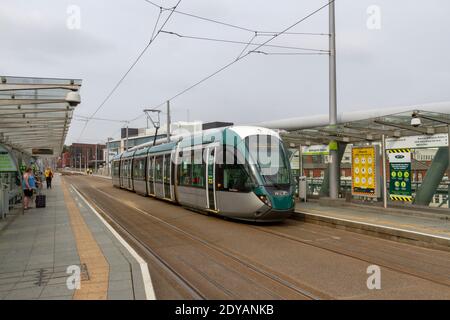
{"x":84,"y":155}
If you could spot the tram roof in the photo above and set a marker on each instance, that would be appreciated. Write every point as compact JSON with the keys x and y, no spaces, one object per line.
{"x":35,"y":113}
{"x":128,"y":154}
{"x":140,"y":152}
{"x":163,"y":147}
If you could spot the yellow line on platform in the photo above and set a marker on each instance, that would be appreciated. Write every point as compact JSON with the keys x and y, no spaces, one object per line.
{"x":96,"y":287}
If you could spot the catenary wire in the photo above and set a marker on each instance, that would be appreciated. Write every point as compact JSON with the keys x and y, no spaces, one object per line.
{"x":131,"y":67}
{"x":238,"y":42}
{"x":234,"y":25}
{"x":288,"y":53}
{"x":275,"y":35}
{"x":245,"y":55}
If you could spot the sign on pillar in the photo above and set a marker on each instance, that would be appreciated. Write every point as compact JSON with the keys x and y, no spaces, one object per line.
{"x":400,"y":174}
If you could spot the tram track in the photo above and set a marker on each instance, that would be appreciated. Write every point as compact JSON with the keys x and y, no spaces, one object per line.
{"x":440,"y":281}
{"x":149,"y":252}
{"x":195,"y":292}
{"x":201,"y":251}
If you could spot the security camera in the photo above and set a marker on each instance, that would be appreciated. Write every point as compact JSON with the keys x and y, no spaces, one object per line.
{"x":73,"y":98}
{"x":415,"y":121}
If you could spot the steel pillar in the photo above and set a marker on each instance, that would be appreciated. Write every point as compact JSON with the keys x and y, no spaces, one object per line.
{"x":325,"y":189}
{"x":334,"y":159}
{"x":433,"y":178}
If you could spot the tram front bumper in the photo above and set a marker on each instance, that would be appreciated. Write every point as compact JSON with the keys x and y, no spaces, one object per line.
{"x":273,"y":215}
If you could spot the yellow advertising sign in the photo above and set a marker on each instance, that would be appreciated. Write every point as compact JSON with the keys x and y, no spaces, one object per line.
{"x":364,"y":165}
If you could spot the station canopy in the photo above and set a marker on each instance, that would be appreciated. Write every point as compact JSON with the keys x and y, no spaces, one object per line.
{"x":35,"y":113}
{"x":367,"y":130}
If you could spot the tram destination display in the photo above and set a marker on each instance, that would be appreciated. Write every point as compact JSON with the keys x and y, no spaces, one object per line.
{"x":400,"y":174}
{"x":365,"y":177}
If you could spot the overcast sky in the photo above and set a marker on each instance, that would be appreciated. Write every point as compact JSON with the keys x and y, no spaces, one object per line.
{"x":404,"y":62}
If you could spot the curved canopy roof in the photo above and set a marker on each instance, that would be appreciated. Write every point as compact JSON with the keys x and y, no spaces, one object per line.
{"x":365,"y":125}
{"x":35,"y":113}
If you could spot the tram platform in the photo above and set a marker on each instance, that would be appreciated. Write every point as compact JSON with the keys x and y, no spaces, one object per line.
{"x":46,"y":251}
{"x":426,"y":229}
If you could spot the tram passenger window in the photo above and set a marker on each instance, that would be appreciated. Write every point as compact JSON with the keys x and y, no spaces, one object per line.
{"x":159,"y":169}
{"x":198,"y":169}
{"x":115,"y":168}
{"x":185,"y":169}
{"x":151,"y":165}
{"x":124,"y":168}
{"x":135,"y":168}
{"x":184,"y":172}
{"x":233,"y":177}
{"x":167,"y":169}
{"x":139,"y":168}
{"x":191,"y":170}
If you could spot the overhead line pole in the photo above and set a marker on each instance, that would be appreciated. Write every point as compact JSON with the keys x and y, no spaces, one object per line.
{"x":168,"y":121}
{"x":333,"y":146}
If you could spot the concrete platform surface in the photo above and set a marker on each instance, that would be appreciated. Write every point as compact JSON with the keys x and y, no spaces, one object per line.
{"x":427,"y":231}
{"x":47,"y":252}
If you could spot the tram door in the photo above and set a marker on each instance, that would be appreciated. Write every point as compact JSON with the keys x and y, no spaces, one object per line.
{"x":151,"y":175}
{"x":211,"y":178}
{"x":167,"y":176}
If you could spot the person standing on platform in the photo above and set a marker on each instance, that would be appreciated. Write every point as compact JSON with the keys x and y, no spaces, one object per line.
{"x":28,"y":184}
{"x":48,"y":177}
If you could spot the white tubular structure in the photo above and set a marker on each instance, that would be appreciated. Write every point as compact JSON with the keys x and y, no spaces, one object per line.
{"x":343,"y":117}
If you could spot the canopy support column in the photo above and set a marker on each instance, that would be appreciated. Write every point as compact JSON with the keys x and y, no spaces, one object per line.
{"x":433,"y":177}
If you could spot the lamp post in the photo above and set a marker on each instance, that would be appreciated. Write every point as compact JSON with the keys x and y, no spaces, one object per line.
{"x":108,"y":170}
{"x":96,"y":156}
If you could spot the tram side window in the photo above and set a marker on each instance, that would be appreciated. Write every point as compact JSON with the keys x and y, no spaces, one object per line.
{"x":139,"y":168}
{"x":151,"y":165}
{"x":233,"y":177}
{"x":185,"y":169}
{"x":116,"y":168}
{"x":198,"y":169}
{"x":167,"y":169}
{"x":159,"y":169}
{"x":124,"y":168}
{"x":191,"y":171}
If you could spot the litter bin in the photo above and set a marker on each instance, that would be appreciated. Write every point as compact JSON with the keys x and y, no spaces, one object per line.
{"x":302,"y":188}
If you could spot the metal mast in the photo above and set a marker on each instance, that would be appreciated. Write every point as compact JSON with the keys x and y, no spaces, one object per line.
{"x":333,"y":146}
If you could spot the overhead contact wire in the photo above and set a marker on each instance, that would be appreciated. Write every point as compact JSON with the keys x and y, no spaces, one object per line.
{"x":131,"y":67}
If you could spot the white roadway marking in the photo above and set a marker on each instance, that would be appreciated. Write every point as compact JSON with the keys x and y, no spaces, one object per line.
{"x":148,"y":285}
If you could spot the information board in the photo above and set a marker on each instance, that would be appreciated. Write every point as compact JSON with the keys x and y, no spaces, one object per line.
{"x":315,"y":150}
{"x":365,"y":180}
{"x":400,"y":174}
{"x":6,"y":161}
{"x":415,"y":142}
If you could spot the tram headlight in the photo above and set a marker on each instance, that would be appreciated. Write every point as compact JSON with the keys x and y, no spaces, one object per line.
{"x":265,"y":199}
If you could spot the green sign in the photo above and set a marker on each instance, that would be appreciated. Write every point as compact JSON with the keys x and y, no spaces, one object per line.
{"x":400,"y":175}
{"x":333,"y":145}
{"x":6,"y":161}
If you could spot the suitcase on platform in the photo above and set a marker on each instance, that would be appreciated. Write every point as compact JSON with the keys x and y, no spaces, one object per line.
{"x":40,"y":200}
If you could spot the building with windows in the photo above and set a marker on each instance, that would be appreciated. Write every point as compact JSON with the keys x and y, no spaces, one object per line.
{"x":84,"y":155}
